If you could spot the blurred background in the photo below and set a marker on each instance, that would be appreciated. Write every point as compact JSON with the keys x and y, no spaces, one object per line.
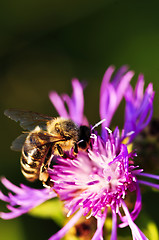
{"x":43,"y":45}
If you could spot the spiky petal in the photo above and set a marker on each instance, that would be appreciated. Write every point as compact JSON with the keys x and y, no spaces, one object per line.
{"x":23,"y":198}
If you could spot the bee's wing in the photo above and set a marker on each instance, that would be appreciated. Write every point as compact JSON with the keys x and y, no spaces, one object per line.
{"x":28,"y":119}
{"x":37,"y":138}
{"x":17,"y":144}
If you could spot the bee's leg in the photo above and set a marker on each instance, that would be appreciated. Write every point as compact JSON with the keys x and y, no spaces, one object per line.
{"x":49,"y":183}
{"x":61,"y":153}
{"x":75,"y":148}
{"x":43,"y":175}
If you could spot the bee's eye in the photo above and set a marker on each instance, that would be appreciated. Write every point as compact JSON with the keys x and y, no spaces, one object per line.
{"x":67,"y":137}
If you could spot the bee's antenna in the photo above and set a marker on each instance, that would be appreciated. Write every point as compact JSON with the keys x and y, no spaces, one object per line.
{"x":108,"y":129}
{"x":80,"y":141}
{"x":129,"y":133}
{"x":98,"y":123}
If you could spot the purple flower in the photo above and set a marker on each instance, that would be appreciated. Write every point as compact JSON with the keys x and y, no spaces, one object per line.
{"x":100,"y":178}
{"x":108,"y":176}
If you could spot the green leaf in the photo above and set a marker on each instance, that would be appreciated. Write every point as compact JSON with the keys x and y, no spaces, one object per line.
{"x":152,"y":231}
{"x":12,"y":229}
{"x":51,"y":209}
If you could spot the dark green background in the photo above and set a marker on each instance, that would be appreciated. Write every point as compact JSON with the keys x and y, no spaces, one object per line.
{"x":44,"y":44}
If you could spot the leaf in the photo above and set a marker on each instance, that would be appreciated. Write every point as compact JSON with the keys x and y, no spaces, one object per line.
{"x":153,"y":231}
{"x":51,"y":209}
{"x":15,"y":232}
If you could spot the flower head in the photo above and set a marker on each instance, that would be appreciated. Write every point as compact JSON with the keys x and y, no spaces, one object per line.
{"x":107,"y":177}
{"x":103,"y":182}
{"x":100,"y":178}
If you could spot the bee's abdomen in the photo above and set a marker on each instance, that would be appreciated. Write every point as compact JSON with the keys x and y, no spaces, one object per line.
{"x":32,"y":157}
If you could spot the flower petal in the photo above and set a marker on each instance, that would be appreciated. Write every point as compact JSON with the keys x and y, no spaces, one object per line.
{"x":114,"y":226}
{"x":137,"y":208}
{"x":153,"y":185}
{"x":75,"y":104}
{"x":136,"y":232}
{"x":24,"y":199}
{"x":58,"y":103}
{"x":112,"y":92}
{"x":60,"y":234}
{"x":100,"y":223}
{"x":139,"y":108}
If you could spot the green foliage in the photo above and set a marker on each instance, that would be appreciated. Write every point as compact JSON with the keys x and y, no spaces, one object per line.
{"x":51,"y":209}
{"x":12,"y":229}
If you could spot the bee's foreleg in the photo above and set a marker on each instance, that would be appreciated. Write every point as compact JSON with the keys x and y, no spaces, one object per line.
{"x":48,"y":184}
{"x":75,"y":148}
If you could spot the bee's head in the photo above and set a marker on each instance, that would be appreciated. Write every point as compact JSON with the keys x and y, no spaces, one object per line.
{"x":84,"y":137}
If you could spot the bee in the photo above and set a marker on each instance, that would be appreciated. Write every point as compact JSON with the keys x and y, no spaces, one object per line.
{"x":46,"y":136}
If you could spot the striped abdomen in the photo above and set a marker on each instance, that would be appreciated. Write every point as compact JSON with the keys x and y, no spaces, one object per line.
{"x":36,"y":153}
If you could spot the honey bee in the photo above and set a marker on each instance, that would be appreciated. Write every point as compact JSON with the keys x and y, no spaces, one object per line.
{"x":47,"y":136}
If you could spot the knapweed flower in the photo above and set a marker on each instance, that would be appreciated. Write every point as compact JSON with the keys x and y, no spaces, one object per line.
{"x":100,"y":179}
